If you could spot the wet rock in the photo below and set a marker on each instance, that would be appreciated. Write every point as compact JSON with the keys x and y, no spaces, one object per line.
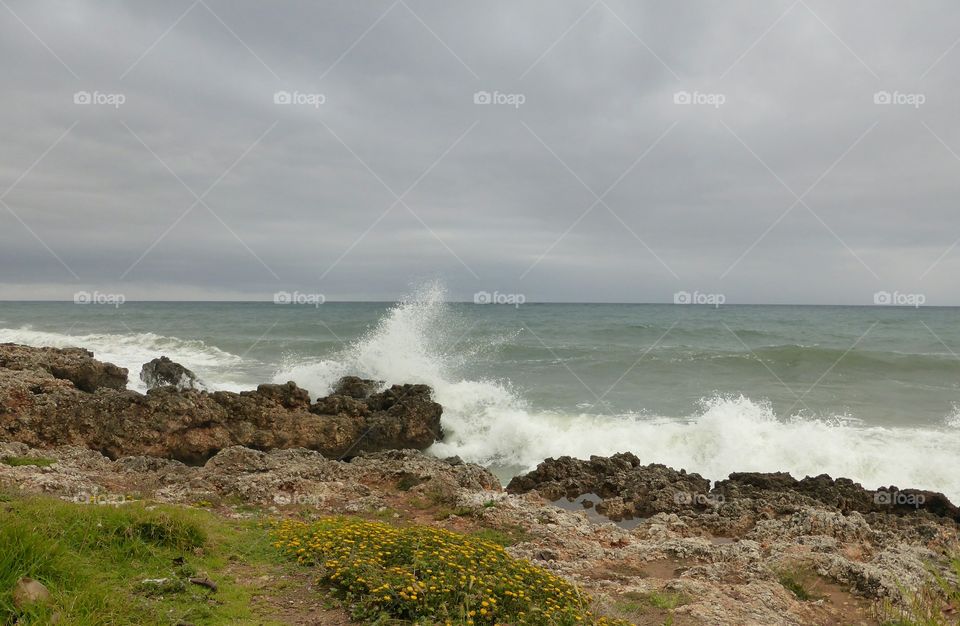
{"x":335,"y":404}
{"x":783,"y":491}
{"x":626,"y":488}
{"x":356,"y":387}
{"x":288,"y":395}
{"x":162,"y":372}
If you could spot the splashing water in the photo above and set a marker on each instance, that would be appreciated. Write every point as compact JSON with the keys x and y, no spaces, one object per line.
{"x":487,"y":422}
{"x":132,"y":350}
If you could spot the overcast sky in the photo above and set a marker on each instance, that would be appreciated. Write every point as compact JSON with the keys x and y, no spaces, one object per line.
{"x":783,"y":152}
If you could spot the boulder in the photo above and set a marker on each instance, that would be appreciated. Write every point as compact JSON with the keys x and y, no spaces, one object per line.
{"x":73,"y":364}
{"x":162,"y":372}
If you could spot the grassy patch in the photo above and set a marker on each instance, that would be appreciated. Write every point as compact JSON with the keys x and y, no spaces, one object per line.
{"x":507,"y":536}
{"x":666,"y":600}
{"x":425,"y":574}
{"x":800,"y":582}
{"x":634,"y":604}
{"x":20,"y":461}
{"x":94,"y":559}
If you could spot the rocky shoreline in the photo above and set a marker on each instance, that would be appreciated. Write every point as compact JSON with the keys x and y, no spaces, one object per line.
{"x":51,"y":397}
{"x":751,"y":549}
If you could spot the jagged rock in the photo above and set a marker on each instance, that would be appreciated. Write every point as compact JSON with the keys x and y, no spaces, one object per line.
{"x":356,"y":387}
{"x":74,"y":364}
{"x":626,"y":488}
{"x":339,"y":404}
{"x":192,"y":425}
{"x":161,"y":372}
{"x":841,"y":494}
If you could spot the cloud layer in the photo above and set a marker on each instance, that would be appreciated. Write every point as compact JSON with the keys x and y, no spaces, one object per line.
{"x":608,"y":151}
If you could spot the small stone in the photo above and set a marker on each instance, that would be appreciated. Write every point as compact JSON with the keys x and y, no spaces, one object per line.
{"x":28,"y":591}
{"x":545,"y":555}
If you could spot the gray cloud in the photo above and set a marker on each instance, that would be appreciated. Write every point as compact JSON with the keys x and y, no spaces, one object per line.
{"x":500,"y":197}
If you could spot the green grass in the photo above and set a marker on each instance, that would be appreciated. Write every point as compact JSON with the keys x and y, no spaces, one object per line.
{"x":19,"y":461}
{"x":666,"y":600}
{"x":634,"y":604}
{"x":93,"y":558}
{"x":506,"y":537}
{"x":800,"y":582}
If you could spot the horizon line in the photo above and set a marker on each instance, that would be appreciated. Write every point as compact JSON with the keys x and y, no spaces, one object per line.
{"x":497,"y":305}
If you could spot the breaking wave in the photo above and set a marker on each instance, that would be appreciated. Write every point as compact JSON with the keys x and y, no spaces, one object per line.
{"x":131,"y":350}
{"x":486,"y":421}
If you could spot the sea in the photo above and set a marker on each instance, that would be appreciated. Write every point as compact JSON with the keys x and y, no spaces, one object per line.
{"x":868,"y":393}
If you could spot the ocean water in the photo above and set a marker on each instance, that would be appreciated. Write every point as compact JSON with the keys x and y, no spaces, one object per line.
{"x":870,"y":393}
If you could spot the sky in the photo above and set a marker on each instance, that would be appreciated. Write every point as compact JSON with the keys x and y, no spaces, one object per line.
{"x":612,"y":151}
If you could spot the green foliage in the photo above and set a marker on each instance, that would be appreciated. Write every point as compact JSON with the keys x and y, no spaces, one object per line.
{"x":422,"y":573}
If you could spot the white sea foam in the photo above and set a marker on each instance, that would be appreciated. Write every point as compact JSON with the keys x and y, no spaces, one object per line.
{"x":486,"y":422}
{"x":953,"y":420}
{"x":132,"y":350}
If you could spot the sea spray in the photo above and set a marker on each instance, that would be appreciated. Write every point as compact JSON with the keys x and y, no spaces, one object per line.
{"x":131,"y":350}
{"x":488,"y":422}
